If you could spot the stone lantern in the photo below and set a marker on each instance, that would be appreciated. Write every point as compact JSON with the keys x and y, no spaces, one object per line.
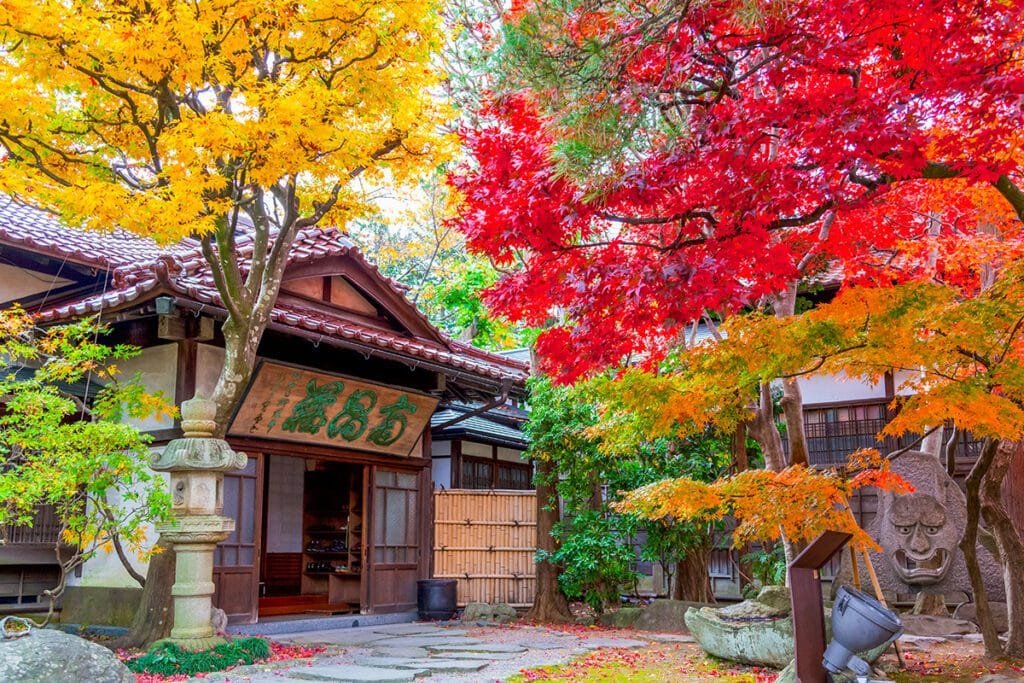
{"x":197,"y":464}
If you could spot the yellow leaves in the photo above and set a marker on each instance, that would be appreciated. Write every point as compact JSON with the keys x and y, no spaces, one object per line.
{"x":157,"y":116}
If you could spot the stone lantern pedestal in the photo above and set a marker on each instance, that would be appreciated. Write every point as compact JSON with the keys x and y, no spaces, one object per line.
{"x":197,"y":464}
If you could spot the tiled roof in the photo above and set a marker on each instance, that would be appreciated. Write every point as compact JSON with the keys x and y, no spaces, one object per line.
{"x":477,"y":426}
{"x":142,"y":269}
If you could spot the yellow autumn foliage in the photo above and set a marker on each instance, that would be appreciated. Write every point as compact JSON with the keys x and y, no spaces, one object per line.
{"x":163,"y":116}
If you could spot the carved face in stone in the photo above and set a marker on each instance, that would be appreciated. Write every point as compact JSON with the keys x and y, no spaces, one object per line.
{"x":918,"y":539}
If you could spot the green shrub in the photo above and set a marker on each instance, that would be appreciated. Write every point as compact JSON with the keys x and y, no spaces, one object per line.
{"x":167,"y":659}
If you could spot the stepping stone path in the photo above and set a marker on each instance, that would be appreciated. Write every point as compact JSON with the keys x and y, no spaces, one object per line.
{"x":422,"y":652}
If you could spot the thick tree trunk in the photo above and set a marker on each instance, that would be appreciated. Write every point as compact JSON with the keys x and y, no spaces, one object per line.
{"x":550,"y":605}
{"x":241,"y":344}
{"x":932,"y":604}
{"x":969,"y":547}
{"x":1008,"y":541}
{"x":691,"y":580}
{"x":154,"y":616}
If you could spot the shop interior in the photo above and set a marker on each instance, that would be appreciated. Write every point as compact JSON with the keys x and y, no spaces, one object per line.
{"x":312,"y":550}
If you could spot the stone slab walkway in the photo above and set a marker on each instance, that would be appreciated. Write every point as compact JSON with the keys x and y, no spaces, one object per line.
{"x":424,"y":652}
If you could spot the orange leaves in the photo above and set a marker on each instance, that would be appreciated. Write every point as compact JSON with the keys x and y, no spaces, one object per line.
{"x":798,"y":502}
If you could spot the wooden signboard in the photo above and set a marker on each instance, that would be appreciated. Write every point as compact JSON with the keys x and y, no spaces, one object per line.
{"x":290,"y":404}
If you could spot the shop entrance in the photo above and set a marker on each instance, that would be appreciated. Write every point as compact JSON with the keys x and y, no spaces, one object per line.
{"x":313,"y":521}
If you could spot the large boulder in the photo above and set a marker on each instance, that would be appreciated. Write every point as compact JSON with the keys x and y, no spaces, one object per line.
{"x":46,"y":655}
{"x":666,"y":616}
{"x":624,"y":617}
{"x":484,"y":613}
{"x":758,"y":632}
{"x":1000,"y":614}
{"x":928,"y":625}
{"x":749,"y":632}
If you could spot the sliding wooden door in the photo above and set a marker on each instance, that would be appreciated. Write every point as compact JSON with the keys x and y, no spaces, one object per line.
{"x":394,"y":549}
{"x":236,"y":560}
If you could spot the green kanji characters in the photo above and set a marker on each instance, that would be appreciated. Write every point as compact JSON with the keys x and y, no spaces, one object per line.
{"x":309,"y":414}
{"x":386,"y":433}
{"x":351,"y":422}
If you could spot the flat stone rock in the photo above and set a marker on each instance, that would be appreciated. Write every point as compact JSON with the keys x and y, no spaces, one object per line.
{"x":479,"y":647}
{"x":998,"y":678}
{"x":600,"y":643}
{"x":407,"y":652}
{"x":417,"y":630}
{"x":485,"y":656}
{"x":425,"y":641}
{"x":339,"y":636}
{"x":435,"y":666}
{"x":352,"y":673}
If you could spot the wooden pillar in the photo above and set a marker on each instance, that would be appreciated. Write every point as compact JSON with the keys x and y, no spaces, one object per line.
{"x":808,"y":607}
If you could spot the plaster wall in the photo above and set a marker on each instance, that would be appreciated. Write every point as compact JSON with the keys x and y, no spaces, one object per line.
{"x":16,"y":282}
{"x":479,"y":450}
{"x":509,"y":454}
{"x":440,"y":448}
{"x":838,"y":387}
{"x":441,"y":471}
{"x":158,"y":367}
{"x":209,"y":361}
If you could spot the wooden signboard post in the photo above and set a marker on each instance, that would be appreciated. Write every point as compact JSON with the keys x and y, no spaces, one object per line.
{"x":301,"y":406}
{"x":808,"y":608}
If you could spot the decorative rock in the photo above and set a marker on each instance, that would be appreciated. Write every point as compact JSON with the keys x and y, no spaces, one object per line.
{"x":1000,"y":615}
{"x":920,"y":533}
{"x":408,"y":652}
{"x":740,"y":633}
{"x":927,"y":625}
{"x":665,"y":615}
{"x":776,"y":598}
{"x":46,"y":655}
{"x":998,"y":678}
{"x":352,"y":673}
{"x":624,"y":617}
{"x":481,"y":612}
{"x":448,"y":665}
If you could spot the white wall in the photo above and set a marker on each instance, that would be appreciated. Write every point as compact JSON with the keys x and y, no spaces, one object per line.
{"x":158,"y":367}
{"x":285,"y":484}
{"x":839,"y":387}
{"x":209,"y":361}
{"x":441,"y":472}
{"x":16,"y":282}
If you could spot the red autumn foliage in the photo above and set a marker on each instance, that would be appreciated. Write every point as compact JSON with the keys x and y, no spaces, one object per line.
{"x":812,"y":135}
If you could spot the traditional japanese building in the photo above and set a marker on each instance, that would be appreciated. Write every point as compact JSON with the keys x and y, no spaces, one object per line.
{"x":333,"y":508}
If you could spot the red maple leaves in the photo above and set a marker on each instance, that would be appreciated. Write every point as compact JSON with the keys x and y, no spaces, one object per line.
{"x":750,"y":151}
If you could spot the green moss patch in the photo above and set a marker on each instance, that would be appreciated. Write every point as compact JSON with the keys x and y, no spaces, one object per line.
{"x":167,"y":659}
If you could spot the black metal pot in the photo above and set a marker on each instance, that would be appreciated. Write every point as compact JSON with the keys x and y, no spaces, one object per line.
{"x":435,"y":599}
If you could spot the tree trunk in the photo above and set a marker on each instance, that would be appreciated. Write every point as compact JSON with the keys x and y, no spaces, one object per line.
{"x":932,"y":604}
{"x":763,"y":429}
{"x":1011,"y":548}
{"x":691,"y":580}
{"x":792,"y":398}
{"x":241,"y":344}
{"x":969,"y":547}
{"x":550,"y":605}
{"x":153,"y":619}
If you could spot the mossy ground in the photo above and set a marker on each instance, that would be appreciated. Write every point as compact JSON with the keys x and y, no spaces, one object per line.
{"x":680,"y":663}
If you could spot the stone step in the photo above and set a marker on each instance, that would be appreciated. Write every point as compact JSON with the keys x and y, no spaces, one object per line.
{"x":352,"y":673}
{"x":477,"y":647}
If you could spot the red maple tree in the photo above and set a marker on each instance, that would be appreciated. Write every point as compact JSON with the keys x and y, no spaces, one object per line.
{"x":646,"y":163}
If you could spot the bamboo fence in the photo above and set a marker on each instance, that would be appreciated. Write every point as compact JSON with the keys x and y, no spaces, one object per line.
{"x":486,"y":539}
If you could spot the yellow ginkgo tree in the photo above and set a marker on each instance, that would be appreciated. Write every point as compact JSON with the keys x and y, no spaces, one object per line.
{"x":216,"y":119}
{"x":221,"y":120}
